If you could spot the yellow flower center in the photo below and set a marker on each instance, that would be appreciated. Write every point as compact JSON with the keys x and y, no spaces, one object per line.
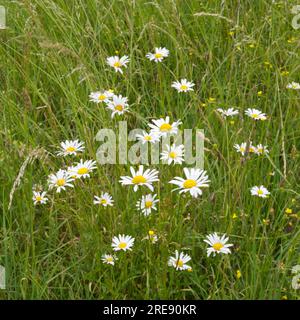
{"x":38,"y":198}
{"x":61,"y":182}
{"x":122,"y":245}
{"x":119,"y":107}
{"x":172,"y":155}
{"x":218,"y":246}
{"x":251,"y":149}
{"x":242,"y":149}
{"x":70,"y":149}
{"x":189,"y":183}
{"x":260,"y":192}
{"x":103,"y":201}
{"x":179,"y":263}
{"x":165,"y":127}
{"x":117,"y":64}
{"x":148,"y":204}
{"x":158,"y":55}
{"x":260,"y":150}
{"x":139,"y":179}
{"x":82,"y":170}
{"x":109,"y":259}
{"x":183,"y":87}
{"x":255,"y":115}
{"x":151,"y":232}
{"x":148,"y":138}
{"x":102,"y":97}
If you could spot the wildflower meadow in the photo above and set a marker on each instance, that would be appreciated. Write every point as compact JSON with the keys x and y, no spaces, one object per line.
{"x":149,"y":150}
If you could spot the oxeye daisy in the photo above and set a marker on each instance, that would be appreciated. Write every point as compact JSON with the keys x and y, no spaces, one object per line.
{"x":83,"y":168}
{"x":260,"y":149}
{"x":241,"y":148}
{"x":71,"y":147}
{"x":179,"y":261}
{"x":173,"y":154}
{"x":60,"y":180}
{"x":117,"y":63}
{"x":109,"y":259}
{"x":122,"y":242}
{"x":145,"y":137}
{"x":183,"y":85}
{"x":39,"y":197}
{"x":118,"y":105}
{"x":195,"y":179}
{"x":140,"y":178}
{"x":105,"y":199}
{"x":101,"y":96}
{"x":158,"y":55}
{"x":147,"y":203}
{"x":261,"y":191}
{"x":162,"y":127}
{"x":217,"y":244}
{"x":255,"y":114}
{"x":293,"y":85}
{"x":228,"y":113}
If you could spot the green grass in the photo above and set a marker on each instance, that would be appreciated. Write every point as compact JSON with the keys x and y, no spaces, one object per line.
{"x":52,"y":55}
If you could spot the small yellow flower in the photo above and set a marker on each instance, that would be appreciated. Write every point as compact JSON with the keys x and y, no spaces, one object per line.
{"x":151,"y":232}
{"x":284,"y":73}
{"x":203,"y":104}
{"x":234,"y":216}
{"x":259,"y":93}
{"x":190,"y":269}
{"x":211,"y":100}
{"x":293,"y":200}
{"x":231,"y":33}
{"x":238,"y":274}
{"x":268,"y":65}
{"x":252,"y":45}
{"x":231,"y":122}
{"x":284,"y":297}
{"x":292,"y":40}
{"x":288,"y":211}
{"x":266,"y":222}
{"x":116,"y":52}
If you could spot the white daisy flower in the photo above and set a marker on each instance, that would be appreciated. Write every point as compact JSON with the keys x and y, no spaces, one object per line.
{"x":228,"y":113}
{"x":179,"y":261}
{"x":118,"y":105}
{"x":105,"y":199}
{"x":255,"y":114}
{"x":158,"y":55}
{"x":173,"y":154}
{"x":147,"y":203}
{"x":39,"y":197}
{"x":162,"y":127}
{"x":195,"y":179}
{"x":101,"y":96}
{"x":71,"y":147}
{"x":122,"y":242}
{"x":117,"y":63}
{"x":109,"y":259}
{"x":218,"y":244}
{"x":145,"y":137}
{"x":183,"y":85}
{"x":60,"y":180}
{"x":261,"y":191}
{"x":83,"y":168}
{"x":260,"y":149}
{"x":140,"y":178}
{"x":241,"y":148}
{"x":252,"y":148}
{"x":293,"y":85}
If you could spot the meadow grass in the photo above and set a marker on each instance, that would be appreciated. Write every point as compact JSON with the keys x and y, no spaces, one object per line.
{"x":53,"y":54}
